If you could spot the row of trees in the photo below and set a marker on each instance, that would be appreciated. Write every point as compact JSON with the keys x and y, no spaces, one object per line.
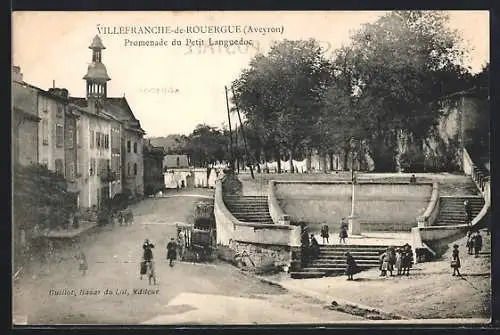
{"x":385,"y":85}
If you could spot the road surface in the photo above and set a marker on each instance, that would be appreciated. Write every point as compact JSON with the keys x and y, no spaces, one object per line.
{"x":112,"y":293}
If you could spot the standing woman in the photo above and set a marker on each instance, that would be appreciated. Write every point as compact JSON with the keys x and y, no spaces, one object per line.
{"x":455,"y":261}
{"x":351,"y":266}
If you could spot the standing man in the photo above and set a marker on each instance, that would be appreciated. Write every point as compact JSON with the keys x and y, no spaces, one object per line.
{"x":182,"y":244}
{"x":325,"y":233}
{"x":171,"y":251}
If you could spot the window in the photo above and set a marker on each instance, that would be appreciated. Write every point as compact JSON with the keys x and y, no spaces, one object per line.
{"x":59,"y":135}
{"x":128,"y":169}
{"x":70,"y":171}
{"x":70,"y":139}
{"x":98,"y":139}
{"x":92,"y":166}
{"x":135,"y":147}
{"x":59,"y":111}
{"x":135,"y":169}
{"x":128,"y":146}
{"x":45,"y":132}
{"x":92,"y":139}
{"x":59,"y":167}
{"x":106,"y":141}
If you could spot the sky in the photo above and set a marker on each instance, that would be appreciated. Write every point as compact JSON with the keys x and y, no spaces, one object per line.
{"x":170,"y":88}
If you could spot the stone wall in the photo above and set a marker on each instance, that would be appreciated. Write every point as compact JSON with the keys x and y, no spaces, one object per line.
{"x":379,"y":206}
{"x":261,"y":257}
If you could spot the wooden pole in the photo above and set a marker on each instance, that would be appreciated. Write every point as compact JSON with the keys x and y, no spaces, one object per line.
{"x":231,"y":155}
{"x":244,"y":136}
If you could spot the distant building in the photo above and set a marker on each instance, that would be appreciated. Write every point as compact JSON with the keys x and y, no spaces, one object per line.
{"x":175,"y":161}
{"x":153,"y":168}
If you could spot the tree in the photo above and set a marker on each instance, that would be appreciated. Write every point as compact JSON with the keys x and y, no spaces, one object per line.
{"x":206,"y":145}
{"x":405,"y":62}
{"x":280,"y":94}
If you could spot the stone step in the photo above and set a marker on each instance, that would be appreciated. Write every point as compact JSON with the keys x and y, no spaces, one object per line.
{"x":353,"y":249}
{"x":305,"y":275}
{"x":351,"y":246}
{"x":251,"y":213}
{"x":326,"y":264}
{"x":360,"y":257}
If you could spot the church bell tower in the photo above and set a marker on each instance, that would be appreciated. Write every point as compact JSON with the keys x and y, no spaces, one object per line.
{"x":97,"y":75}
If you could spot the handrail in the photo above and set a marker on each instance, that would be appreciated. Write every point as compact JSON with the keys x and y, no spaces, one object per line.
{"x":432,"y":210}
{"x":277,"y":214}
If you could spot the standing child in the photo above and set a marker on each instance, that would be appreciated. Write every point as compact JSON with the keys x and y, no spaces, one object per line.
{"x":82,"y":263}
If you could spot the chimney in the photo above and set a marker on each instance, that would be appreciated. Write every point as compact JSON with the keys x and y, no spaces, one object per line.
{"x":53,"y":83}
{"x":16,"y":74}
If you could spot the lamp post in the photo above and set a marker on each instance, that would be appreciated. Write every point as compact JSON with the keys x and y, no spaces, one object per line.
{"x":354,"y":226}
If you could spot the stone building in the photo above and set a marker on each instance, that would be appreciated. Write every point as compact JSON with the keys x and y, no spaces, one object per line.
{"x":113,"y":136}
{"x":153,"y":168}
{"x":25,"y":121}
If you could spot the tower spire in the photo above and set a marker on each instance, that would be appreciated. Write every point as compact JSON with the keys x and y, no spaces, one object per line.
{"x":97,"y":75}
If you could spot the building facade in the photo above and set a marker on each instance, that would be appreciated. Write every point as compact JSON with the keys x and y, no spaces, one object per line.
{"x":25,"y":121}
{"x":94,"y":142}
{"x":153,"y":168}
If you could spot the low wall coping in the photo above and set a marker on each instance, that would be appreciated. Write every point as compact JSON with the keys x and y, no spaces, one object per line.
{"x":346,"y":182}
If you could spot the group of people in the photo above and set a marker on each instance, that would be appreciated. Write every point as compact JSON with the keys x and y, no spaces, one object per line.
{"x":125,"y":217}
{"x":147,"y":264}
{"x":396,"y":259}
{"x":325,"y":232}
{"x":474,"y":246}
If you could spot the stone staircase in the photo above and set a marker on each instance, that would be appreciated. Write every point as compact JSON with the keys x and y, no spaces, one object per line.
{"x":249,"y":208}
{"x":451,"y":209}
{"x":332,"y":260}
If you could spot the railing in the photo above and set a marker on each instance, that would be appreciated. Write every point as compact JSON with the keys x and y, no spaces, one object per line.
{"x":277,"y":214}
{"x":430,"y":214}
{"x":479,"y":175}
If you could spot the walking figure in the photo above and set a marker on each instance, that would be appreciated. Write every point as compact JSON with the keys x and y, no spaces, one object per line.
{"x":171,"y":251}
{"x":325,"y":234}
{"x":82,"y":263}
{"x":478,"y":243}
{"x":399,"y":261}
{"x":343,"y":231}
{"x":455,"y":261}
{"x":468,"y":212}
{"x":147,"y":256}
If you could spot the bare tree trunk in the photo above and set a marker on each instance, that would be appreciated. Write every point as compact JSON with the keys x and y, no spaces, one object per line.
{"x":330,"y":156}
{"x":308,"y":160}
{"x":292,"y":169}
{"x":323,"y":161}
{"x":346,"y":159}
{"x":278,"y":160}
